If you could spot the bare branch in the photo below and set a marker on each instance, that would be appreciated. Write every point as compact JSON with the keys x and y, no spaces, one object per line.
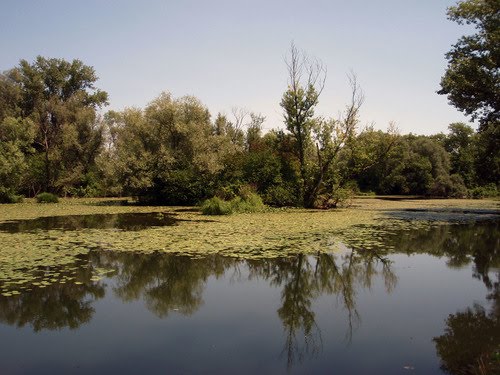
{"x":239,"y":115}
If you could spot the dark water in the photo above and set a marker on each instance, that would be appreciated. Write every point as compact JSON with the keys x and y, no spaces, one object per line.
{"x":431,"y":305}
{"x":123,"y":221}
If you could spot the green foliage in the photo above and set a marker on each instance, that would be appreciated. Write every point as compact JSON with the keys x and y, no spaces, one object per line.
{"x":471,"y":79}
{"x":7,"y":196}
{"x":60,"y":100}
{"x":245,"y":202}
{"x":281,"y":195}
{"x":487,"y":154}
{"x":168,"y":153}
{"x":52,"y":139}
{"x":459,"y":143}
{"x":298,"y":103}
{"x":249,"y":203}
{"x":417,"y":165}
{"x":487,"y":191}
{"x":16,"y":136}
{"x":89,"y":187}
{"x":339,"y":197}
{"x":216,"y":206}
{"x":448,"y":186}
{"x":47,"y":198}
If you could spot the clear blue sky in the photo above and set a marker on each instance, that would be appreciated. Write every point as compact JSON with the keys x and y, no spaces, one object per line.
{"x":231,"y":53}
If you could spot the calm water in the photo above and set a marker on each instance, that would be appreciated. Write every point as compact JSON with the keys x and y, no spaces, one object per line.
{"x":431,"y":304}
{"x":126,"y":221}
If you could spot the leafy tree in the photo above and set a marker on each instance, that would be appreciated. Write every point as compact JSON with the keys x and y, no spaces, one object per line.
{"x":415,"y":165}
{"x":364,"y":157}
{"x":487,"y":158}
{"x":317,"y":142}
{"x":306,"y":81}
{"x":60,"y":98}
{"x":169,"y":153}
{"x":459,"y":143}
{"x":471,"y":81}
{"x":16,"y":136}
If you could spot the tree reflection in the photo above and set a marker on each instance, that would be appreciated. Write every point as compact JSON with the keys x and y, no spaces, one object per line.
{"x":471,"y":341}
{"x":166,"y":283}
{"x":304,"y":279}
{"x":460,"y":244}
{"x":55,"y":306}
{"x":169,"y":283}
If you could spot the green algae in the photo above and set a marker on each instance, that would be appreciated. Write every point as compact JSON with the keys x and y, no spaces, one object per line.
{"x":39,"y":258}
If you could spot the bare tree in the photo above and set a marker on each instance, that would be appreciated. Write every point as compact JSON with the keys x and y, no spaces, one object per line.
{"x":306,"y":80}
{"x":331,"y":136}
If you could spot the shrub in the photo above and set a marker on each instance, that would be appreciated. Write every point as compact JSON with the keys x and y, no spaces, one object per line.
{"x":251,"y":202}
{"x":88,"y":188}
{"x":216,"y":206}
{"x":339,"y":197}
{"x":47,"y":198}
{"x":449,"y":186}
{"x":487,"y":191}
{"x":280,"y":196}
{"x":7,"y":196}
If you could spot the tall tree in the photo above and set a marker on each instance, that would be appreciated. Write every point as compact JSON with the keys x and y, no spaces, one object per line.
{"x":61,"y":99}
{"x":306,"y":80}
{"x":472,"y":79}
{"x":16,"y":137}
{"x":460,"y":145}
{"x":170,"y":152}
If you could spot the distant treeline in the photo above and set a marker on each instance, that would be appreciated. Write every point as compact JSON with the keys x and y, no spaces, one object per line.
{"x":52,"y":139}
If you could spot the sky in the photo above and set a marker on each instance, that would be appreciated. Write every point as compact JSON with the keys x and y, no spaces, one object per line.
{"x":232,"y":53}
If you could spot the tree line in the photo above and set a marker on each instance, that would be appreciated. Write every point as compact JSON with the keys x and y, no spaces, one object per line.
{"x":174,"y":151}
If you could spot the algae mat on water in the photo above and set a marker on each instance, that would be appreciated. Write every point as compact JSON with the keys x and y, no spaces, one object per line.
{"x":43,"y":251}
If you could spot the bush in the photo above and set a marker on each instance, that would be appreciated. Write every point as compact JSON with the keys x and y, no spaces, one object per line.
{"x":251,"y":202}
{"x":88,"y":188}
{"x":487,"y":191}
{"x":449,"y":186}
{"x":216,"y":206}
{"x":7,"y":196}
{"x":280,"y":196}
{"x":339,"y":197}
{"x":47,"y":198}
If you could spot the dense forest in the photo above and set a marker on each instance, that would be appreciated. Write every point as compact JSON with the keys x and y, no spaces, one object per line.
{"x":55,"y":137}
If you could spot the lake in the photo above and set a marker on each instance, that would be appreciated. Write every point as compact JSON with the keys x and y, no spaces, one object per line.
{"x":417,"y":300}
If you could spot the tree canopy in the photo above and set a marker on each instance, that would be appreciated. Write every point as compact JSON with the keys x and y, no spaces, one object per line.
{"x":472,"y":79}
{"x":53,"y":138}
{"x":60,"y":100}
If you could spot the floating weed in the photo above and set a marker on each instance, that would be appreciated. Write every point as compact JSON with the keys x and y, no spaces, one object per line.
{"x":366,"y":226}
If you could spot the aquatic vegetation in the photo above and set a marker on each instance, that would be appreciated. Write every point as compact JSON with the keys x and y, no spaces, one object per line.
{"x":270,"y":234}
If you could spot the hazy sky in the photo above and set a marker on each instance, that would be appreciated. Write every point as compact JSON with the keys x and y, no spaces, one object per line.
{"x":231,"y":53}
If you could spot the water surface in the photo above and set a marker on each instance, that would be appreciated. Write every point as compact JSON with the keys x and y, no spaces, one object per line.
{"x":430,"y":305}
{"x":123,"y":221}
